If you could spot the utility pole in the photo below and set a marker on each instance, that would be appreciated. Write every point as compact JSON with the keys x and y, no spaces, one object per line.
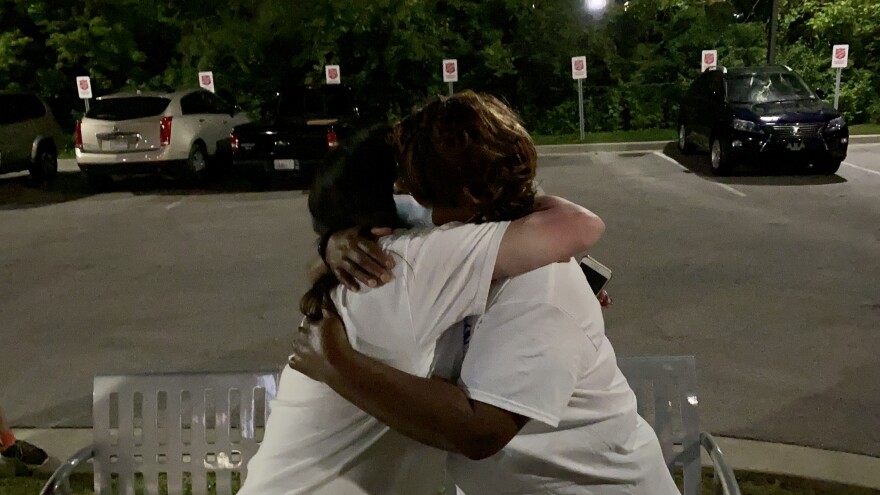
{"x":774,"y":22}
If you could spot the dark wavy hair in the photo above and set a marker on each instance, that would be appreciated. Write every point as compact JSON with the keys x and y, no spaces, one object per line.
{"x":353,"y":187}
{"x":468,"y":150}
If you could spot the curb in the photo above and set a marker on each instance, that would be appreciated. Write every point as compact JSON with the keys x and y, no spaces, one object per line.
{"x":569,"y":149}
{"x":67,"y":165}
{"x":742,"y":455}
{"x":865,"y":139}
{"x":551,"y":149}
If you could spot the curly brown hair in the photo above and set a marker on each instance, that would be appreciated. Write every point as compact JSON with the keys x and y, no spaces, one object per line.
{"x":471,"y":150}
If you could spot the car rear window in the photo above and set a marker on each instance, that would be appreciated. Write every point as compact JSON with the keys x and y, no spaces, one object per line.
{"x":128,"y":108}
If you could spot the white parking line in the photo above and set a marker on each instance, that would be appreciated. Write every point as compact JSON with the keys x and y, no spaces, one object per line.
{"x":863,"y":169}
{"x":174,"y":205}
{"x":671,"y":160}
{"x":722,"y":186}
{"x":729,"y":189}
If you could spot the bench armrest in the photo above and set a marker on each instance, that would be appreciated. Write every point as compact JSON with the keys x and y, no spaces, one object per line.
{"x":59,"y":481}
{"x":724,"y":479}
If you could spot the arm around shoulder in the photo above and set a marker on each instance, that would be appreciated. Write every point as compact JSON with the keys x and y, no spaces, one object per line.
{"x":559,"y":230}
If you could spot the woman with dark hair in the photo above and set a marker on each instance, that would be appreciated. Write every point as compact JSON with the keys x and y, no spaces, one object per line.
{"x":316,"y":442}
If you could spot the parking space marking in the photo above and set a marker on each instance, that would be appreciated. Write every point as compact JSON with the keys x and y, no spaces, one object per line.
{"x":729,"y":189}
{"x":848,"y":164}
{"x":722,"y":186}
{"x":174,"y":205}
{"x":671,"y":160}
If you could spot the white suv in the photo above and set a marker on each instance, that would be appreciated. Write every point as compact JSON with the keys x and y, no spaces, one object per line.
{"x":145,"y":133}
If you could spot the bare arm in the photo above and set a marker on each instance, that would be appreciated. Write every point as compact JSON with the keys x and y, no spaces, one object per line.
{"x":559,"y":230}
{"x":430,"y":411}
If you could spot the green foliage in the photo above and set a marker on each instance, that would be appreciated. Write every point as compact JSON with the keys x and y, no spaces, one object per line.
{"x":809,"y":29}
{"x":640,"y":58}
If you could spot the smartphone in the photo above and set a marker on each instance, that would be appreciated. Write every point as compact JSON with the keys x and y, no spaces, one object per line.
{"x":597,"y":274}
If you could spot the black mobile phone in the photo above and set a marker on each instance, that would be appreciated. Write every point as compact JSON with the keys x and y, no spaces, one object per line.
{"x":597,"y":274}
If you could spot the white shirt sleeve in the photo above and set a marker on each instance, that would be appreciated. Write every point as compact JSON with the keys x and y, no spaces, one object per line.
{"x":450,"y":273}
{"x":526,"y":359}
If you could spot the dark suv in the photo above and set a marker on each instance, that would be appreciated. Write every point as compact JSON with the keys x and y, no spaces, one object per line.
{"x":29,"y":136}
{"x":753,"y":114}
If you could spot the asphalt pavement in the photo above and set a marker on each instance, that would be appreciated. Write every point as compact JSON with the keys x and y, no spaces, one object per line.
{"x":770,"y":280}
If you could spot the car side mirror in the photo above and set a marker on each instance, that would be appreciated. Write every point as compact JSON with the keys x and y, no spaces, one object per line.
{"x":820,"y":94}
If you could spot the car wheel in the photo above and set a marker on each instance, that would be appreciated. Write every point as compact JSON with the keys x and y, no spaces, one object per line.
{"x":684,"y":146}
{"x":721,"y":164}
{"x":45,"y":167}
{"x":829,"y":167}
{"x":196,"y":164}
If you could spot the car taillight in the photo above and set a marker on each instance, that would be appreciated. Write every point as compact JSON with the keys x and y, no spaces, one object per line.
{"x":332,"y":140}
{"x":234,"y":143}
{"x":165,"y":131}
{"x":78,"y":135}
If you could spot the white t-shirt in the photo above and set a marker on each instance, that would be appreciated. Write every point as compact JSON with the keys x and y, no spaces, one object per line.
{"x":540,"y":351}
{"x":316,"y":442}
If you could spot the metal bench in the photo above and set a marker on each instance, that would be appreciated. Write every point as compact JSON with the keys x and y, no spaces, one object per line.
{"x":199,"y":428}
{"x":666,"y":391}
{"x":178,"y":432}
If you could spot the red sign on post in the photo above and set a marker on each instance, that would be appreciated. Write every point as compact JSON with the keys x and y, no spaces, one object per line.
{"x":206,"y":80}
{"x":840,"y":56}
{"x":450,"y":70}
{"x":579,"y":67}
{"x":84,"y":87}
{"x":333,"y":74}
{"x":709,"y":60}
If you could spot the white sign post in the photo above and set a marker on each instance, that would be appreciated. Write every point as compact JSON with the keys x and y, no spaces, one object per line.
{"x":333,"y":75}
{"x":84,"y":87}
{"x":450,"y":73}
{"x":709,"y":60}
{"x":206,"y":81}
{"x":839,"y":61}
{"x":579,"y":73}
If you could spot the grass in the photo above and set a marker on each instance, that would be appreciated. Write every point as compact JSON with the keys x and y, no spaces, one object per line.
{"x":608,"y":137}
{"x":750,"y":484}
{"x":862,"y":129}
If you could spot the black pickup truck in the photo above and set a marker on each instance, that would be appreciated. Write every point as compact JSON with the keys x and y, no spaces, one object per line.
{"x":298,"y":131}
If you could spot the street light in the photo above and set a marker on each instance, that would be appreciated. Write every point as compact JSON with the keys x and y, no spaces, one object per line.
{"x":596,"y":5}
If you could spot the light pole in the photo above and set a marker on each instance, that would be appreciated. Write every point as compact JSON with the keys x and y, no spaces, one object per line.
{"x":595,"y":7}
{"x":774,"y":22}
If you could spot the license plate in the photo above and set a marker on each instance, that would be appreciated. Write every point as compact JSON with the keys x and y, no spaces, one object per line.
{"x":114,"y":145}
{"x":286,"y":165}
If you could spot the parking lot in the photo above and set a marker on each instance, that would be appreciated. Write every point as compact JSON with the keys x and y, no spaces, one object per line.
{"x":770,"y":280}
